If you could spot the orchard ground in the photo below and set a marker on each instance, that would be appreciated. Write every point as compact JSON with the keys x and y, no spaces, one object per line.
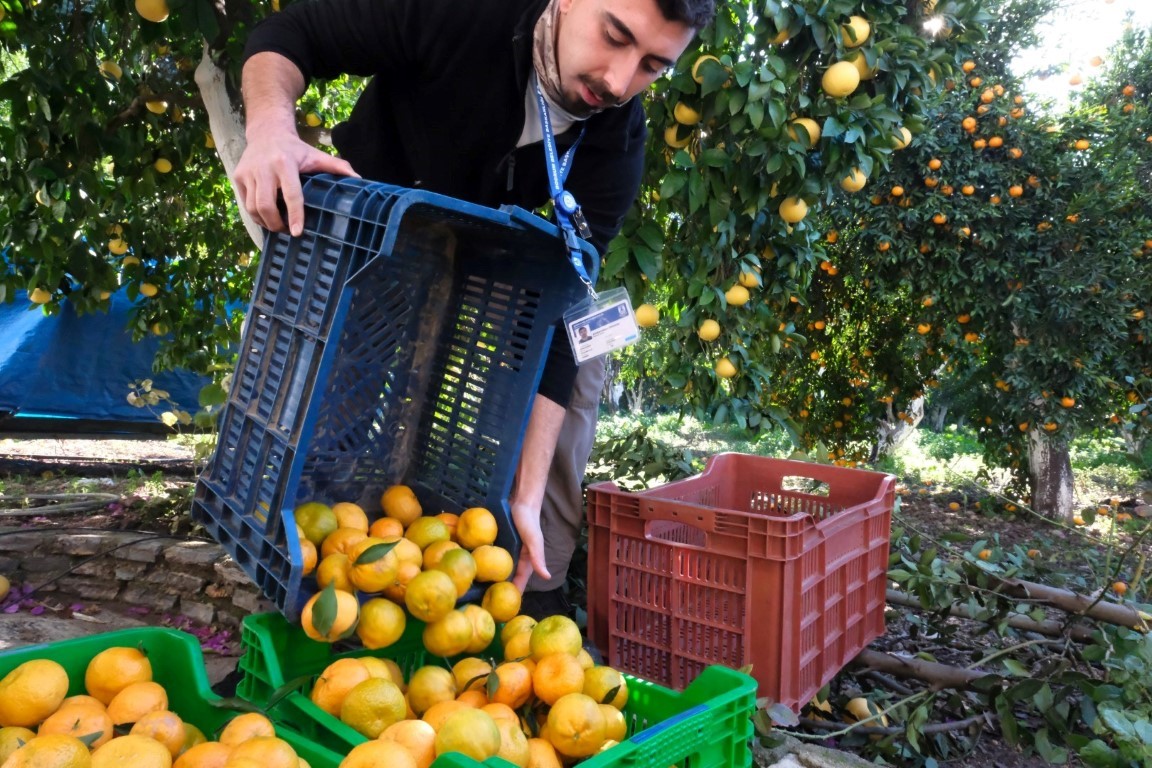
{"x":940,"y":500}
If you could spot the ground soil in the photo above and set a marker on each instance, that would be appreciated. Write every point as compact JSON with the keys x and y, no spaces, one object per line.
{"x":153,"y":481}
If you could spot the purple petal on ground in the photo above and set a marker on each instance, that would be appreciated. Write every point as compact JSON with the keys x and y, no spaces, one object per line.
{"x":137,"y":610}
{"x":12,"y":608}
{"x":37,"y":610}
{"x":76,"y":607}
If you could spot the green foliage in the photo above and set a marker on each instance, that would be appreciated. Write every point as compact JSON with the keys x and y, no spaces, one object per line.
{"x":709,"y":208}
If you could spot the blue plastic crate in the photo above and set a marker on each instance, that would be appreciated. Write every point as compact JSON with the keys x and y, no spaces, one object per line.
{"x":400,"y":339}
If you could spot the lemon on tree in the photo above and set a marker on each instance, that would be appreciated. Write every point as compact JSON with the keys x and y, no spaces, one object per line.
{"x":856,"y":32}
{"x":155,"y":11}
{"x":647,"y":316}
{"x":840,"y":79}
{"x":685,"y":115}
{"x":724,"y":368}
{"x":709,"y":330}
{"x":737,"y":295}
{"x":854,"y":181}
{"x":804,"y":130}
{"x":793,"y":210}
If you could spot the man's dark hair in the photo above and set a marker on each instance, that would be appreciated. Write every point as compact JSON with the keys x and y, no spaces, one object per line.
{"x":694,"y":13}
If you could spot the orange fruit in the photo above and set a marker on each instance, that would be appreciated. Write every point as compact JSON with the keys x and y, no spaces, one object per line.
{"x":1119,"y":587}
{"x":515,"y":625}
{"x":50,"y":752}
{"x":440,"y":711}
{"x":417,"y":737}
{"x":430,"y":685}
{"x":374,"y":563}
{"x":512,"y":685}
{"x":246,"y":726}
{"x":576,"y":726}
{"x":473,"y":698}
{"x":372,"y":706}
{"x":31,"y":692}
{"x":541,"y":754}
{"x":461,"y":566}
{"x":493,"y":563}
{"x":111,"y":670}
{"x":334,"y":570}
{"x":386,"y":528}
{"x":430,"y":595}
{"x":382,"y":623}
{"x":137,"y":700}
{"x":451,"y":520}
{"x":400,"y":502}
{"x":476,"y":527}
{"x":132,"y":750}
{"x":316,"y":520}
{"x":449,"y":635}
{"x":555,"y":634}
{"x":308,"y":556}
{"x":330,"y":615}
{"x":336,"y":682}
{"x":556,"y":675}
{"x":483,"y":628}
{"x":518,"y":647}
{"x":470,"y":673}
{"x":266,"y":751}
{"x":425,"y":531}
{"x":163,"y":726}
{"x":13,"y":737}
{"x":513,"y":744}
{"x":192,"y":737}
{"x":471,"y":732}
{"x":501,"y":713}
{"x":606,"y":685}
{"x":88,"y":722}
{"x":210,"y":754}
{"x":615,"y":726}
{"x":350,"y":515}
{"x":341,"y":540}
{"x":502,"y":601}
{"x":378,"y":752}
{"x":435,"y":552}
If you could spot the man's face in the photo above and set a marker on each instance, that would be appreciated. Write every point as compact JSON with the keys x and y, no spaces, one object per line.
{"x":610,"y":50}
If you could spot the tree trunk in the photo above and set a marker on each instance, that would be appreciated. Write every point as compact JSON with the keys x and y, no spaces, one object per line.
{"x":1050,"y":476}
{"x":937,"y":417}
{"x":227,"y":126}
{"x":893,"y":431}
{"x":611,"y":392}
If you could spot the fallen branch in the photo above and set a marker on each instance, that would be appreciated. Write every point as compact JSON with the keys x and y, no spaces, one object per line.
{"x":1071,"y":602}
{"x":893,"y":730}
{"x":938,"y":676}
{"x":1047,"y":627}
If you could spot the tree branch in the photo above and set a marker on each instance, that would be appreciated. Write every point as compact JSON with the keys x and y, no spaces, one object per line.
{"x":1047,"y":627}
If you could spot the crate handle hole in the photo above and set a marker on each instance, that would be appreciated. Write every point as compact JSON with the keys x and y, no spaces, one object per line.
{"x":807,"y":485}
{"x":680,"y":534}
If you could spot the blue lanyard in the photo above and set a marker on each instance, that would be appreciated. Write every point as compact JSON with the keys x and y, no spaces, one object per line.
{"x":563,"y":201}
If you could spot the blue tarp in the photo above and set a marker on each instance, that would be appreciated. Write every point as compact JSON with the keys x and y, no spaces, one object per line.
{"x":80,"y":366}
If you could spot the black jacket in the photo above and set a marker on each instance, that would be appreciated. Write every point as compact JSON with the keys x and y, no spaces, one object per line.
{"x":445,"y":108}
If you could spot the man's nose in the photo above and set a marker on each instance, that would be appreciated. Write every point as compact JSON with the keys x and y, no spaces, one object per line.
{"x":620,"y":76}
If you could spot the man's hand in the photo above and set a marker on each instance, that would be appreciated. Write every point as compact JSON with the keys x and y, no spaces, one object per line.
{"x":527,"y":520}
{"x":275,"y":156}
{"x":271,"y":167}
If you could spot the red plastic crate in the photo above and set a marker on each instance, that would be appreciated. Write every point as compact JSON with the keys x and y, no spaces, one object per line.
{"x":775,"y":563}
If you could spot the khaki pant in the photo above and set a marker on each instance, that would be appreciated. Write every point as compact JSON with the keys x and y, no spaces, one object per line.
{"x":562,"y":512}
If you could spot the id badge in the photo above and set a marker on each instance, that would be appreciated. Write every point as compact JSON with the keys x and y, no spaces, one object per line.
{"x":597,"y":327}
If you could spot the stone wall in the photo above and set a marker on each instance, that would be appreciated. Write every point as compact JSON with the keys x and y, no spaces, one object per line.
{"x":130,"y":571}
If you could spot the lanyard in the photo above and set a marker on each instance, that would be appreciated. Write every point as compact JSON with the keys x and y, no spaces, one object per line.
{"x":568,"y":213}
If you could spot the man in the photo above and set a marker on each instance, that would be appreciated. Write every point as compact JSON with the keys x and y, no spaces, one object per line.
{"x":460,"y":93}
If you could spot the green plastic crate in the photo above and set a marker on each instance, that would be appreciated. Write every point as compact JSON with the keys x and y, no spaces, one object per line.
{"x":708,"y":725}
{"x":177,"y":664}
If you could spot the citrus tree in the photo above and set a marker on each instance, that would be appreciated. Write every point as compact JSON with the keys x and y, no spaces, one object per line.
{"x":1011,"y":246}
{"x":120,"y":121}
{"x":754,"y":130}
